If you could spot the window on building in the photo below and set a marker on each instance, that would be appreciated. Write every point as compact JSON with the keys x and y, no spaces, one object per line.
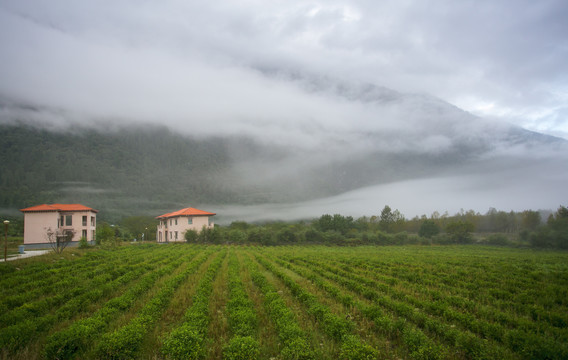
{"x":176,"y":234}
{"x":84,"y":220}
{"x":68,"y":220}
{"x":176,"y":221}
{"x":170,"y":222}
{"x":93,"y":235}
{"x":93,"y":221}
{"x":171,"y":235}
{"x":84,"y":232}
{"x":190,"y":220}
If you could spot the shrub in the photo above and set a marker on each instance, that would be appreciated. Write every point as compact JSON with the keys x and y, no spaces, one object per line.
{"x":286,"y":236}
{"x":313,"y":235}
{"x":241,"y":348}
{"x":497,"y":239}
{"x":83,"y":243}
{"x":428,"y":229}
{"x":297,"y":349}
{"x":190,"y":236}
{"x":185,"y":342}
{"x":460,"y":231}
{"x":353,"y":349}
{"x":237,"y":236}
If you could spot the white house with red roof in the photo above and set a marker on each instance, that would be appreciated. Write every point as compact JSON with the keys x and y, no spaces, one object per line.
{"x":173,"y":225}
{"x":40,"y":219}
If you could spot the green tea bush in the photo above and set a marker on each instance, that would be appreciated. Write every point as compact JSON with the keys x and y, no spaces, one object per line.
{"x":353,"y":349}
{"x":185,"y":342}
{"x":242,"y":348}
{"x":188,"y":340}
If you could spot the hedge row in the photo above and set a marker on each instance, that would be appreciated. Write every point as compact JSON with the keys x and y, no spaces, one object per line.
{"x":188,"y":341}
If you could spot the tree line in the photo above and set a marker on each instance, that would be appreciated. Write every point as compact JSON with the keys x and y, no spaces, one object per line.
{"x":390,"y":227}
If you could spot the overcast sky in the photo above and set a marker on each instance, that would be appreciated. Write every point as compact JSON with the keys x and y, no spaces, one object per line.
{"x":177,"y":61}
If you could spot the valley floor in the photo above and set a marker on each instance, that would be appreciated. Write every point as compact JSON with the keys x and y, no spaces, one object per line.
{"x":145,"y":301}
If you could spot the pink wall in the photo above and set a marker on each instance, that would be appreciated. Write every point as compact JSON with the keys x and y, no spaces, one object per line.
{"x":36,"y":225}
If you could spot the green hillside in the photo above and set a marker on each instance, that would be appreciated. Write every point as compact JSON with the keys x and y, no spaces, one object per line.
{"x":139,"y":169}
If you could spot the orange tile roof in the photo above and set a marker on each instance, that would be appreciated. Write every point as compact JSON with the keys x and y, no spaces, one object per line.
{"x":186,"y":212}
{"x":58,"y":207}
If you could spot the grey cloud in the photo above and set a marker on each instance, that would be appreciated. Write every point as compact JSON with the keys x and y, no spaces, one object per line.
{"x":289,"y":73}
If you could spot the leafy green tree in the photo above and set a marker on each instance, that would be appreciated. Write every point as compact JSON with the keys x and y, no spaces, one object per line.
{"x":237,"y":236}
{"x":191,"y":236}
{"x":210,"y":235}
{"x":313,"y":235}
{"x":138,"y":225}
{"x":555,"y":233}
{"x":386,"y":219}
{"x":240,"y":225}
{"x":391,"y":221}
{"x":460,"y":231}
{"x":337,"y":222}
{"x":104,"y":234}
{"x":286,"y":236}
{"x":324,"y":223}
{"x":260,"y":235}
{"x":530,"y":220}
{"x":428,"y":229}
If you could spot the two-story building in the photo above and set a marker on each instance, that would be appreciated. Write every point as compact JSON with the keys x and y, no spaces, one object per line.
{"x":172,"y":226}
{"x":41,"y":219}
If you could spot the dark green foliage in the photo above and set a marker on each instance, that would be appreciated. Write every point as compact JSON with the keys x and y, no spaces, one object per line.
{"x":429,"y":229}
{"x":191,"y":236}
{"x":83,"y":243}
{"x":261,"y":236}
{"x":105,"y":235}
{"x":555,"y":233}
{"x":286,"y":236}
{"x":138,"y":225}
{"x":236,"y":236}
{"x":460,"y":232}
{"x":210,"y":236}
{"x":497,"y":239}
{"x":337,"y":222}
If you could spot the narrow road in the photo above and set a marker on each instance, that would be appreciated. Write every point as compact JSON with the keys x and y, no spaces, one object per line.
{"x":25,"y":255}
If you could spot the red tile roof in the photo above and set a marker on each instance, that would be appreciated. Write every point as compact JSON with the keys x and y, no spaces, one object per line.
{"x":186,"y":212}
{"x":58,"y":207}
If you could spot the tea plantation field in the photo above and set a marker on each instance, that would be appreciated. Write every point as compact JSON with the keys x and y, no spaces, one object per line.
{"x":181,"y":301}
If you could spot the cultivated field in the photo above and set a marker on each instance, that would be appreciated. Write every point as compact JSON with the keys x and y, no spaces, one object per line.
{"x":222,"y":302}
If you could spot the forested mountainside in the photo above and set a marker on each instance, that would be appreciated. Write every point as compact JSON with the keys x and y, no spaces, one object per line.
{"x":151,"y":167}
{"x":118,"y":169}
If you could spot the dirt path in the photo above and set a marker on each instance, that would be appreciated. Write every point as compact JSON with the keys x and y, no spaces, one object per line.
{"x":25,"y":255}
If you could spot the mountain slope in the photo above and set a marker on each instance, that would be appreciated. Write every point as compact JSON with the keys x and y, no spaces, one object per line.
{"x":50,"y":155}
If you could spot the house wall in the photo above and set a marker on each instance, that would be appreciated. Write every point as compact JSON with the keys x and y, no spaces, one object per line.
{"x":180,"y":224}
{"x":37,"y":223}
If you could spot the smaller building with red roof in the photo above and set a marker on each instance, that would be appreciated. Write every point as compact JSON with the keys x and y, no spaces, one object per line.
{"x":173,"y":225}
{"x":41,"y":219}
